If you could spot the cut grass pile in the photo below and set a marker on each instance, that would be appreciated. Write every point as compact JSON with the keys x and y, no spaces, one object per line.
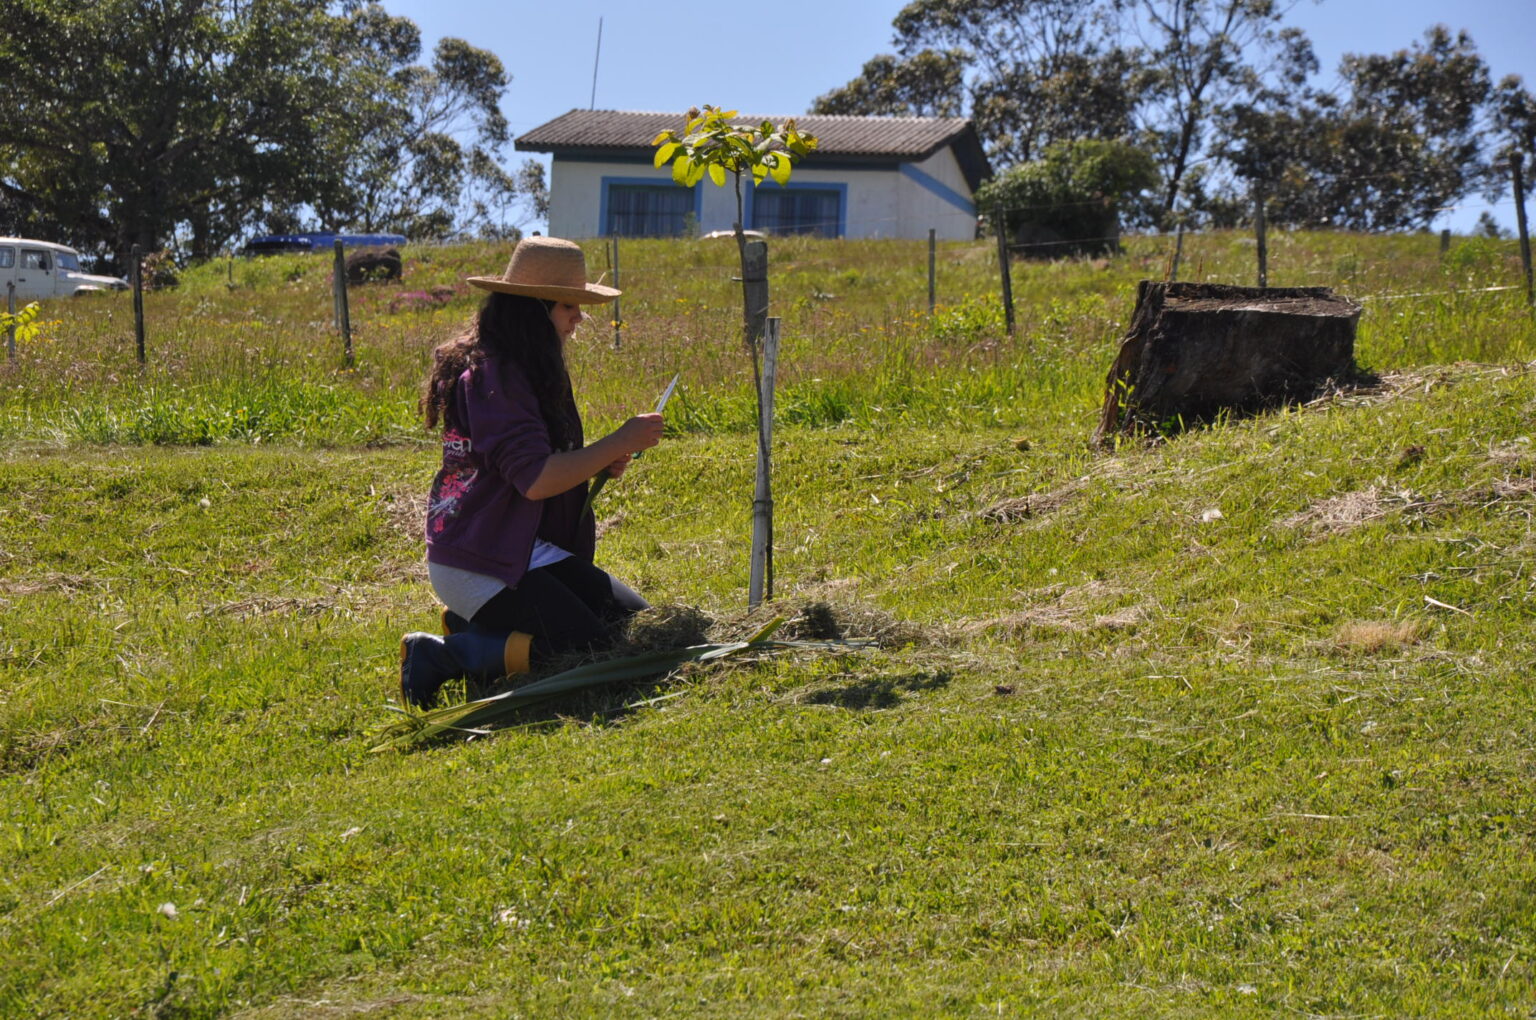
{"x":1233,"y":724}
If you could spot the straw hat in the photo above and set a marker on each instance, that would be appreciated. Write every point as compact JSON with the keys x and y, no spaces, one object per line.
{"x":548,"y":268}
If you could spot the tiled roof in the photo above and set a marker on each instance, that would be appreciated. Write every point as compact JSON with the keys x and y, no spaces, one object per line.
{"x":596,"y":131}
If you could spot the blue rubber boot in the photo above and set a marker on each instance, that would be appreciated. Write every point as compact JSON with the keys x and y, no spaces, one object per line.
{"x":427,"y":661}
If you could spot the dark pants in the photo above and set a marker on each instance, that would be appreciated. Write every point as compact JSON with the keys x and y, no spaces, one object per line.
{"x":566,"y":606}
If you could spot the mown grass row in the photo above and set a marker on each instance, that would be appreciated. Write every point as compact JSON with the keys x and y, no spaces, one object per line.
{"x":1128,"y":753}
{"x":1235,"y":723}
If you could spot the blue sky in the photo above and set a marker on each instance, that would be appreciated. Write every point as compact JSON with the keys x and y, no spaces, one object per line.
{"x":777,"y":58}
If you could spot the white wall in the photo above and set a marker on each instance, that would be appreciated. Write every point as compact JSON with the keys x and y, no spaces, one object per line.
{"x":880,"y":203}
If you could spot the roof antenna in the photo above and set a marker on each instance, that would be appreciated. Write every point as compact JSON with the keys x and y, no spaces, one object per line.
{"x":595,"y":57}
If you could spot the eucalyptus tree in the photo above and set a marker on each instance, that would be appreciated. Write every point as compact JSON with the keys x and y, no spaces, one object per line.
{"x":1402,"y":141}
{"x":127,"y":118}
{"x":152,"y":122}
{"x":1200,"y":57}
{"x":1029,"y":72}
{"x":430,"y":140}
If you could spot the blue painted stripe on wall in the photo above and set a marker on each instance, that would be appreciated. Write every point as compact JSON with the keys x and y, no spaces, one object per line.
{"x":939,"y":188}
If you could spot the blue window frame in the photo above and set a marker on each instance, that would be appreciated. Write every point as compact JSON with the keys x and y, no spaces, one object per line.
{"x":820,"y":209}
{"x":647,"y":207}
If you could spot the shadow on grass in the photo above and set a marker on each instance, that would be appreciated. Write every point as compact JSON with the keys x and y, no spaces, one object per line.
{"x":874,"y":692}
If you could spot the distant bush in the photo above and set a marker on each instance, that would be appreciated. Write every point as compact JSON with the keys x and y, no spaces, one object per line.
{"x":1069,"y":201}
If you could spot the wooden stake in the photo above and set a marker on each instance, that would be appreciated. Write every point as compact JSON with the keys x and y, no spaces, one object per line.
{"x":339,"y":288}
{"x":10,"y":308}
{"x":136,"y":256}
{"x":1178,"y":253}
{"x":618,"y":319}
{"x":932,"y":281}
{"x":1007,"y":273}
{"x":760,"y":584}
{"x":754,"y":285}
{"x":1261,"y":233}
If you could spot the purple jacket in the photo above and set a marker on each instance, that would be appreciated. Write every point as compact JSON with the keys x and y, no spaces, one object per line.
{"x":495,"y":444}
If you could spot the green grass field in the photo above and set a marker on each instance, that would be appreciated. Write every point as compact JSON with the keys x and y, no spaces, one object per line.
{"x":1235,"y":724}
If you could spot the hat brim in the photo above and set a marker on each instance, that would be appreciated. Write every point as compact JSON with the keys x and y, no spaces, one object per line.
{"x":591,"y":294}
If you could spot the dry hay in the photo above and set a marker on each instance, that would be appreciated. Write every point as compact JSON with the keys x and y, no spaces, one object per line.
{"x":659,"y":627}
{"x":1064,"y":608}
{"x":1341,"y":513}
{"x":267,"y":605}
{"x":1515,"y":453}
{"x":1369,"y":637}
{"x":819,"y":615}
{"x":406,"y":511}
{"x":67,"y":584}
{"x":1036,"y":504}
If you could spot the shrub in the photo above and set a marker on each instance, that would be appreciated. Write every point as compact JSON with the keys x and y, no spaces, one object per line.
{"x":1069,"y":201}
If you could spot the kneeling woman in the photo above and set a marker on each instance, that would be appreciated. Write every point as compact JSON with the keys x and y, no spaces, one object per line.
{"x":509,"y":548}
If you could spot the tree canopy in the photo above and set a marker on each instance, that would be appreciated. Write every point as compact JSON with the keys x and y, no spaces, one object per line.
{"x":1220,"y":93}
{"x":153,"y":122}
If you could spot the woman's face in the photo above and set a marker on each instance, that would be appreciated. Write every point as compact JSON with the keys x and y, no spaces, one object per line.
{"x":566,"y":318}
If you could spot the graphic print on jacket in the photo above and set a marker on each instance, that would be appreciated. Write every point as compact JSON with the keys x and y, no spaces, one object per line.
{"x":452,"y":483}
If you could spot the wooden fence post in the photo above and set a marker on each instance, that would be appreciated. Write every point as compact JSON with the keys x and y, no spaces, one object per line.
{"x":932,"y":280}
{"x":136,"y":271}
{"x":1178,"y":253}
{"x":760,"y":584}
{"x":1445,"y":240}
{"x":339,"y":289}
{"x":1516,"y":165}
{"x":1261,"y":233}
{"x":10,"y":309}
{"x":1006,"y":270}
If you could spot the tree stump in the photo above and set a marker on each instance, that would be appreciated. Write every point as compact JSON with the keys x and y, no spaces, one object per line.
{"x":1195,"y":350}
{"x":370,"y":264}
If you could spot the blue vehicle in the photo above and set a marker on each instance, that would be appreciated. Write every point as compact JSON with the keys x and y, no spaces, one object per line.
{"x":275,"y":244}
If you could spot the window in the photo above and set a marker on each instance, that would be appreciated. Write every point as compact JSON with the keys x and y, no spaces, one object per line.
{"x":798,"y":211}
{"x":68,"y":260}
{"x":648,"y":210}
{"x":7,"y":258}
{"x":31,"y":258}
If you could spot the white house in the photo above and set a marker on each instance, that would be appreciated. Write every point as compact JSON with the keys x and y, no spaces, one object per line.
{"x":869,"y":177}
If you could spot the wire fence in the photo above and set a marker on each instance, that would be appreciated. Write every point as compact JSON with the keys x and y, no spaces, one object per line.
{"x":1159,"y":253}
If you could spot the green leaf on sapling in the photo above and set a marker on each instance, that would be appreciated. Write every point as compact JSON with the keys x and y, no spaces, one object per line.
{"x":780,"y":167}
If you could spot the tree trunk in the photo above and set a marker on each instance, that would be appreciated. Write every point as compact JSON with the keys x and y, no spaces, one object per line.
{"x":1196,"y":350}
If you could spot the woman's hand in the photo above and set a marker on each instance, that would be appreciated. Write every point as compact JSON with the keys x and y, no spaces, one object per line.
{"x":641,"y":432}
{"x":563,"y":471}
{"x":618,"y":467}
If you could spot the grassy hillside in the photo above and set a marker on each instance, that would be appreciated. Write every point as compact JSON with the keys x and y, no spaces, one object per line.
{"x":1236,"y":724}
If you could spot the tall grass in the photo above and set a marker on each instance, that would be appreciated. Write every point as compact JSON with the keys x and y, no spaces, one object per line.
{"x":244,"y":351}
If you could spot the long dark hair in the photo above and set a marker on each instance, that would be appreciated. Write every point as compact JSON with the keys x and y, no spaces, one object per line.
{"x":518,"y":329}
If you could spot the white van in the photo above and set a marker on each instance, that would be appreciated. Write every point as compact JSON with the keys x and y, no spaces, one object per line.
{"x":40,"y":269}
